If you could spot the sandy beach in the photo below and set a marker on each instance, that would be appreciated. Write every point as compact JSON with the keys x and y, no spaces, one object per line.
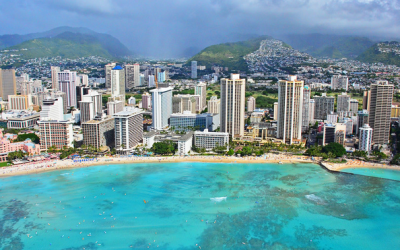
{"x":357,"y":164}
{"x":51,"y":165}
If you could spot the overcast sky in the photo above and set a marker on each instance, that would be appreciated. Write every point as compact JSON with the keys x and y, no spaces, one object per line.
{"x":170,"y":27}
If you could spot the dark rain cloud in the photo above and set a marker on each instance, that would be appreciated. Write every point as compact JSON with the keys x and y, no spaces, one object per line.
{"x":169,"y":27}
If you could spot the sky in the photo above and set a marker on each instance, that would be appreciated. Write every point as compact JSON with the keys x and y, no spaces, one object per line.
{"x":171,"y":28}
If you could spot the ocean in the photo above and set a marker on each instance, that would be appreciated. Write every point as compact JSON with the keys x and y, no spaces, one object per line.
{"x":199,"y":206}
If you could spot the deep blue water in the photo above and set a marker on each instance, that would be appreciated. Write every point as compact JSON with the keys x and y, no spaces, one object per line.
{"x":179,"y":205}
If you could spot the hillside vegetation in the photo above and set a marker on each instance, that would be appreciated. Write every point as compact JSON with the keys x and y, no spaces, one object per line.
{"x":333,"y":46}
{"x":386,"y":52}
{"x":69,"y":45}
{"x":228,"y":54}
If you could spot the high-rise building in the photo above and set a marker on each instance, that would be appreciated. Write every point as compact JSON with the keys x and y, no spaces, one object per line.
{"x":366,"y":102}
{"x":54,"y":77}
{"x":332,"y":118}
{"x":290,"y":110}
{"x":312,"y":110}
{"x":306,"y":108}
{"x":115,"y":104}
{"x":343,"y":103}
{"x":8,"y":83}
{"x":353,"y":106}
{"x":161,"y":103}
{"x":194,"y":69}
{"x":251,"y":104}
{"x":91,"y":106}
{"x":80,"y":92}
{"x":132,"y":75}
{"x":146,"y":101}
{"x":334,"y":133}
{"x":84,"y":80}
{"x":52,"y":110}
{"x":181,"y":103}
{"x":232,"y":105}
{"x":67,"y":84}
{"x":99,"y":132}
{"x":324,"y":105}
{"x":58,"y":94}
{"x":107,"y":70}
{"x":128,"y":129}
{"x":152,"y":82}
{"x":213,"y":105}
{"x":189,"y":121}
{"x":381,"y":96}
{"x":365,"y":138}
{"x":55,"y":133}
{"x":340,"y":82}
{"x":118,"y":81}
{"x":362,"y":119}
{"x":201,"y":90}
{"x":19,"y":102}
{"x":276,"y":110}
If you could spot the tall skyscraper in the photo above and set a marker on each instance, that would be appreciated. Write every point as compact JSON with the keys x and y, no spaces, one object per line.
{"x":306,"y":108}
{"x":128,"y":129}
{"x":290,"y":110}
{"x":381,"y":97}
{"x":201,"y":90}
{"x":340,"y":82}
{"x":324,"y":105}
{"x":214,"y":105}
{"x":152,"y":81}
{"x":91,"y":106}
{"x":54,"y":76}
{"x":84,"y":80}
{"x":161,"y":103}
{"x":343,"y":103}
{"x":365,"y":138}
{"x":276,"y":110}
{"x":181,"y":103}
{"x":233,"y":105}
{"x":99,"y":132}
{"x":107,"y":70}
{"x":118,"y":81}
{"x":67,"y":84}
{"x":251,"y":104}
{"x":132,"y":75}
{"x":19,"y":102}
{"x":194,"y":69}
{"x":8,"y":83}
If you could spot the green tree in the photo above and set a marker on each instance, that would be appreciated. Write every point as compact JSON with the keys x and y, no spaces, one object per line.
{"x":247,"y":150}
{"x":164,"y":148}
{"x":16,"y":155}
{"x":336,"y":149}
{"x":231,"y":152}
{"x":32,"y":136}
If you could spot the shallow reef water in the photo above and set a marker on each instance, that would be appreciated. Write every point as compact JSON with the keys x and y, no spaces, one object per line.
{"x":199,"y":206}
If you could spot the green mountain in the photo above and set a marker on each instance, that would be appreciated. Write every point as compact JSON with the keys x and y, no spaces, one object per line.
{"x":109,"y":43}
{"x":71,"y":45}
{"x":384,"y":52}
{"x":228,"y":54}
{"x":333,"y":46}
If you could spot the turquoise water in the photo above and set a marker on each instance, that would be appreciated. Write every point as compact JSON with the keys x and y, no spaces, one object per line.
{"x":375,"y":172}
{"x":267,"y":206}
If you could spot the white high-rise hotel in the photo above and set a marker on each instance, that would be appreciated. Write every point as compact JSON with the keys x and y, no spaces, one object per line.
{"x":233,"y":105}
{"x":161,"y":107}
{"x":290,"y":110}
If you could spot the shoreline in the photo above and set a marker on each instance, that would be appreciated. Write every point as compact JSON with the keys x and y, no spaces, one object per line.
{"x":52,"y":165}
{"x":336,"y":167}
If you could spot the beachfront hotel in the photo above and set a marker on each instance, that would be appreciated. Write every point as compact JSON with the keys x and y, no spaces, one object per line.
{"x":365,"y":138}
{"x":290,"y":110}
{"x":128,"y":129}
{"x":210,"y":140}
{"x":233,"y":105}
{"x":380,"y":104}
{"x":99,"y":132}
{"x":56,"y":133}
{"x":161,"y":107}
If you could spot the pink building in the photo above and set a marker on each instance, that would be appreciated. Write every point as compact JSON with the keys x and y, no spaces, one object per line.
{"x":6,"y":146}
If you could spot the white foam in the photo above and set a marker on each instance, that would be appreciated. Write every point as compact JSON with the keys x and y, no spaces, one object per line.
{"x":218,"y":199}
{"x":313,"y":197}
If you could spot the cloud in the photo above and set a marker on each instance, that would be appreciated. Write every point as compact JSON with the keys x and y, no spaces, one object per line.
{"x":168,"y":27}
